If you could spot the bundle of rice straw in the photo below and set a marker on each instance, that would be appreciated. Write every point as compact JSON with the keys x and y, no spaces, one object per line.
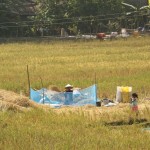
{"x":53,"y":88}
{"x":12,"y":101}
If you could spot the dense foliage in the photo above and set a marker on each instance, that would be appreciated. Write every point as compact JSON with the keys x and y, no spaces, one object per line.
{"x":10,"y":16}
{"x":75,"y":16}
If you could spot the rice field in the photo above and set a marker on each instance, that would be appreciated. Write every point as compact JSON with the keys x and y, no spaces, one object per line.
{"x":123,"y":63}
{"x":37,"y":129}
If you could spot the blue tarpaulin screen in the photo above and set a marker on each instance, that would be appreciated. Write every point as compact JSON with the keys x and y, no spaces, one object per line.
{"x":76,"y":98}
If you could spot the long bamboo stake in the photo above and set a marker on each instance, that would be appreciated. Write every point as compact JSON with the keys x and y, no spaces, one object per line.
{"x":95,"y":87}
{"x":29,"y":85}
{"x":43,"y":90}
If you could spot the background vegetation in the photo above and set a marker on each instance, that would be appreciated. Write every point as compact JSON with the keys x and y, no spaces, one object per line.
{"x":46,"y":17}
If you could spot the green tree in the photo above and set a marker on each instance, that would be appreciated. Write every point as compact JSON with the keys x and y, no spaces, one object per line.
{"x":137,"y":16}
{"x":76,"y":16}
{"x":85,"y":16}
{"x":12,"y":15}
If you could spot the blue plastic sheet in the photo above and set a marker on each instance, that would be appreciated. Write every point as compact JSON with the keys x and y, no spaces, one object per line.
{"x":75,"y":98}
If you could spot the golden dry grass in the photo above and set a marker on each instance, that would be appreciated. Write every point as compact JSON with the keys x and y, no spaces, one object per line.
{"x":116,"y":63}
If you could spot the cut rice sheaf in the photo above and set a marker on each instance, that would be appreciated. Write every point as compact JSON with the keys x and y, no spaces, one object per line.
{"x":16,"y":102}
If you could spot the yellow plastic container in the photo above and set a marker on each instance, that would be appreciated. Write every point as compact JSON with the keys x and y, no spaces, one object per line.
{"x":126,"y":94}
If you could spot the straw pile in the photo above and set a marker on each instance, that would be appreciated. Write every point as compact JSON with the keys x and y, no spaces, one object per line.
{"x":53,"y":88}
{"x":16,"y":102}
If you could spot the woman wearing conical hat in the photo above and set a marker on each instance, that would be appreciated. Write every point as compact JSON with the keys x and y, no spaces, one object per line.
{"x":68,"y":94}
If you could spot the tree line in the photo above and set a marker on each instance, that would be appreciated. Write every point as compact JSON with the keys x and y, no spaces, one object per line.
{"x":22,"y":18}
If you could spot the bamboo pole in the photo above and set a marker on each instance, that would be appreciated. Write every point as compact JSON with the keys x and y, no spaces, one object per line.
{"x":43,"y":90}
{"x":95,"y":87}
{"x":29,"y":85}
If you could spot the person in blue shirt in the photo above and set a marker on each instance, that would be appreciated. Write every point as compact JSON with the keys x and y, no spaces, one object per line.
{"x":68,"y":94}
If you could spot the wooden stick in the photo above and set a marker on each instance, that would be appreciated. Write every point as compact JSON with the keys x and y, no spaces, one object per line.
{"x":43,"y":89}
{"x":95,"y":87}
{"x":29,"y":85}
